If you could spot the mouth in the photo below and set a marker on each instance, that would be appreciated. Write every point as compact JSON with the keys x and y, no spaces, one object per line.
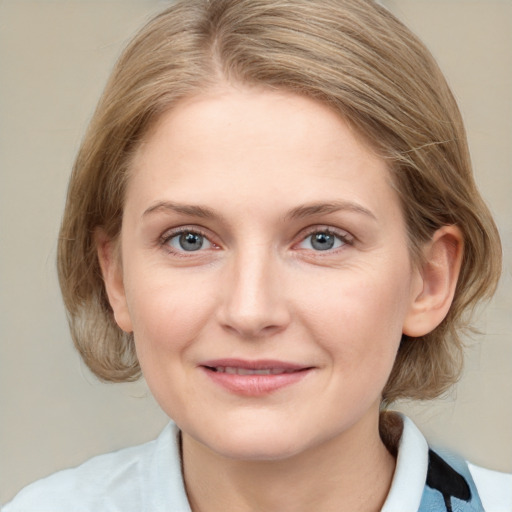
{"x":254,"y":378}
{"x":236,"y":370}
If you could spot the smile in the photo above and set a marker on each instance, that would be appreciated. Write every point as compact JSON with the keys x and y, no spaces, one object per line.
{"x":254,"y":378}
{"x":233,"y":370}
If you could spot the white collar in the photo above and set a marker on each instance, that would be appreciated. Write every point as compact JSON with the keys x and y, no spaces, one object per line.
{"x":165,"y":485}
{"x":410,"y":472}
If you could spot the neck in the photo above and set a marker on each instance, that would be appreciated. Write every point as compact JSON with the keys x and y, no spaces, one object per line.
{"x":351,"y":472}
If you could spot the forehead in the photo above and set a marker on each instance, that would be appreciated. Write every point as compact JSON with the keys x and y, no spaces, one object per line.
{"x":258,"y":113}
{"x":257,"y":143}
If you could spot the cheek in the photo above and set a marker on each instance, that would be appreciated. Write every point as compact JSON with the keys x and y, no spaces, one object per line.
{"x":167,"y":321}
{"x":167,"y":312}
{"x":358,"y":316}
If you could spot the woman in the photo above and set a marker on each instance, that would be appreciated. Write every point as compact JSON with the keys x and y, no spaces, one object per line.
{"x":273,"y":216}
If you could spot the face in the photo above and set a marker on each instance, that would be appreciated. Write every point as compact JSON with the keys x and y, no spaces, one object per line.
{"x":265,"y":273}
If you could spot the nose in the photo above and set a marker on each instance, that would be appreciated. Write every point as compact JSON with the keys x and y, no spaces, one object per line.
{"x":254,"y":301}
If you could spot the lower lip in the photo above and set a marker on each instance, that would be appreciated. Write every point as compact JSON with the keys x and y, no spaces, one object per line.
{"x":255,"y":385}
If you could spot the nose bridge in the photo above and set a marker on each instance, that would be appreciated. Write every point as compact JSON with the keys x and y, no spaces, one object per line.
{"x":254,"y":302}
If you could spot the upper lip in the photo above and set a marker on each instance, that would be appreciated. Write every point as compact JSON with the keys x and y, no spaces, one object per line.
{"x":260,"y":364}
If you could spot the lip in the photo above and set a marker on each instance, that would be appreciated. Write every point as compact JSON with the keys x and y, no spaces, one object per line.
{"x":254,"y":378}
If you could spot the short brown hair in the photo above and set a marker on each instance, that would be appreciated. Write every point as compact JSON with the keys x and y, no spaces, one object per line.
{"x":352,"y":55}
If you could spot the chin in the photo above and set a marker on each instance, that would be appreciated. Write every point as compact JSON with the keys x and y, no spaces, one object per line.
{"x":259,"y":450}
{"x":253,"y":444}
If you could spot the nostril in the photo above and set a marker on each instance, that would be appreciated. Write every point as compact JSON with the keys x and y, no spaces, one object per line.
{"x":252,"y":330}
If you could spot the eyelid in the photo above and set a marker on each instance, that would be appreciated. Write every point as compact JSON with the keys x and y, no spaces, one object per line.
{"x":342,"y":234}
{"x":168,"y":234}
{"x":163,"y":239}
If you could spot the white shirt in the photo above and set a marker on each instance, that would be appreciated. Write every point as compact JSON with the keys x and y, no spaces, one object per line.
{"x":148,"y":478}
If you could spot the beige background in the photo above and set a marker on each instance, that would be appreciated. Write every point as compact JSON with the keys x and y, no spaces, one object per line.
{"x":54,"y":59}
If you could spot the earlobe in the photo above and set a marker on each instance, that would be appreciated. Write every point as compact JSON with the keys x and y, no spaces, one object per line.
{"x":111,"y":269}
{"x":437,"y":275}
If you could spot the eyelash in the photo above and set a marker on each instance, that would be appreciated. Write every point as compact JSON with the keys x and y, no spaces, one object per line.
{"x":345,"y":238}
{"x":169,"y":235}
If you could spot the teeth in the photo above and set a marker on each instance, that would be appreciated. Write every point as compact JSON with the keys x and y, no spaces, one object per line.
{"x":248,"y":371}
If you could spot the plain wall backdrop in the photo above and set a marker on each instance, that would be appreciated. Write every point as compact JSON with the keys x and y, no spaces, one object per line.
{"x":54,"y":59}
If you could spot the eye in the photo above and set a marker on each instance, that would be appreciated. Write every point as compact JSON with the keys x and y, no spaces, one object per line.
{"x":188,"y":241}
{"x":323,"y":241}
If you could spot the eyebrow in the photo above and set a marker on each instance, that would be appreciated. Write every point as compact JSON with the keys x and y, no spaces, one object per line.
{"x":311,"y":209}
{"x":300,"y":212}
{"x":184,"y":209}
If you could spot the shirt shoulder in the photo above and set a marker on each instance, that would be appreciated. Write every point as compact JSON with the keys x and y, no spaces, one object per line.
{"x":141,"y":478}
{"x":97,"y":484}
{"x":494,"y":488}
{"x":416,"y":466}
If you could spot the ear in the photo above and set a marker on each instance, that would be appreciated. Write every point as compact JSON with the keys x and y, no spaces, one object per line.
{"x":437,"y":279}
{"x":111,"y":268}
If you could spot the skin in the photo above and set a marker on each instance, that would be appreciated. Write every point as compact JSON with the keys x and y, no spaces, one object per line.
{"x":259,"y":167}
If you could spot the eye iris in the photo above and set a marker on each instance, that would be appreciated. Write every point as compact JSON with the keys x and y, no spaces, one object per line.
{"x":322,"y":241}
{"x":191,"y":241}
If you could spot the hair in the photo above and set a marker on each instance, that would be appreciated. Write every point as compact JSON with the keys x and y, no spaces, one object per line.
{"x":352,"y":55}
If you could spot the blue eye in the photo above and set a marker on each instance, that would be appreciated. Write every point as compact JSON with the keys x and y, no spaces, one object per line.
{"x":322,"y":241}
{"x":189,"y":241}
